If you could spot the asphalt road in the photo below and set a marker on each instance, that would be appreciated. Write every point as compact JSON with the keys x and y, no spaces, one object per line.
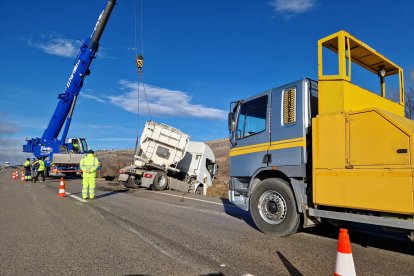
{"x":167,"y":233}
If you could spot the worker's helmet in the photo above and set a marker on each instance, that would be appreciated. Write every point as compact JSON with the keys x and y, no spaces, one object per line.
{"x":28,"y":159}
{"x":91,"y":151}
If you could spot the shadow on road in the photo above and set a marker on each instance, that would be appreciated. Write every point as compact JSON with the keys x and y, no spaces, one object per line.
{"x":110,"y":194}
{"x":293,"y":271}
{"x":361,"y":234}
{"x":367,"y":236}
{"x":238,"y":213}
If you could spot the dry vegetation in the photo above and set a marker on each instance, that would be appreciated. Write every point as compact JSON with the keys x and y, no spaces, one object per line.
{"x":221,"y":183}
{"x":112,"y":161}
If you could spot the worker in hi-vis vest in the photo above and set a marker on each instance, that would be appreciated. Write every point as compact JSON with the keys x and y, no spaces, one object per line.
{"x":27,"y":170}
{"x":89,"y":164}
{"x":40,"y":169}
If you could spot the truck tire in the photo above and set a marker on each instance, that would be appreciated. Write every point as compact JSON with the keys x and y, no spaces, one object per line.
{"x":160,"y":181}
{"x":200,"y":190}
{"x":131,"y":183}
{"x":273,"y":208}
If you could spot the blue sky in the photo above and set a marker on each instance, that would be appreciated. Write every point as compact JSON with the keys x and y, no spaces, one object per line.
{"x":199,"y":56}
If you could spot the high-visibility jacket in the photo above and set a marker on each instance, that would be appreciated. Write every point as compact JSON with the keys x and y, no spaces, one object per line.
{"x":26,"y":164}
{"x":89,"y":163}
{"x":41,"y":165}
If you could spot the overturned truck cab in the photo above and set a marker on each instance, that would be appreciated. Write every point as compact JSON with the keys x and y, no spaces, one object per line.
{"x":166,"y":158}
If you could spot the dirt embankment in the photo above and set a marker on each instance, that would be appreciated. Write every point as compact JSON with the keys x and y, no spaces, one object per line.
{"x":113,"y":160}
{"x":220,"y":186}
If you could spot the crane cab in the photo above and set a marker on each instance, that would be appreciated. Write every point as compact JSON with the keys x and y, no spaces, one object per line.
{"x":77,"y":145}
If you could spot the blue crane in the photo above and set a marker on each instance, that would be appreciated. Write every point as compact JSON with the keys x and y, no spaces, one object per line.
{"x":49,"y":143}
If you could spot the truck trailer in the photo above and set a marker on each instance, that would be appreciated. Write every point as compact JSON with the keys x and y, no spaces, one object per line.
{"x":166,"y":158}
{"x":310,"y":151}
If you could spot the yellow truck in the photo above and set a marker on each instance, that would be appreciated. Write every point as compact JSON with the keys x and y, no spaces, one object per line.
{"x":327,"y":149}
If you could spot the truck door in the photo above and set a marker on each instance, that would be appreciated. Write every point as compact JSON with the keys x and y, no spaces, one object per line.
{"x":290,"y":115}
{"x":251,"y":137}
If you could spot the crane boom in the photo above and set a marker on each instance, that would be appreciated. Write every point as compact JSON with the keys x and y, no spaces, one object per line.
{"x":67,"y":99}
{"x":49,"y":143}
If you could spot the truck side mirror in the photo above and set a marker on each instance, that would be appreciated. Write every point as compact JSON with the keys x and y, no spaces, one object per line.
{"x":231,"y":121}
{"x":216,"y":169}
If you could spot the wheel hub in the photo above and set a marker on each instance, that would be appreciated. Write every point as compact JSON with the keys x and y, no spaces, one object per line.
{"x":272,"y":207}
{"x":161,"y":181}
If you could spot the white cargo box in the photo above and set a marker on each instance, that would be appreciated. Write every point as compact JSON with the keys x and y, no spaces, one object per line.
{"x":161,"y":145}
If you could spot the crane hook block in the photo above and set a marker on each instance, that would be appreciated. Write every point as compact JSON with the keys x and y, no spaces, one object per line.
{"x":140,"y":62}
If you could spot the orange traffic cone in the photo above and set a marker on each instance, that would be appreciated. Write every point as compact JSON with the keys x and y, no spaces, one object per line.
{"x":344,"y":261}
{"x":22,"y":178}
{"x":15,"y":175}
{"x":62,"y":188}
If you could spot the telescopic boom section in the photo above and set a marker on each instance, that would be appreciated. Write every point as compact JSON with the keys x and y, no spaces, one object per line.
{"x":67,"y":99}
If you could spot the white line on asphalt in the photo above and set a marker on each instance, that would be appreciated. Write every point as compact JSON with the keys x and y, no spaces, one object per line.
{"x":196,"y":199}
{"x":76,"y":197}
{"x":94,"y":211}
{"x":153,"y":244}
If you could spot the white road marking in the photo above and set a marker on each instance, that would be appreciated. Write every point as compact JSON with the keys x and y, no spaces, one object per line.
{"x":195,"y":199}
{"x":153,"y":244}
{"x":147,"y":240}
{"x":94,"y":211}
{"x":76,"y":197}
{"x":106,"y":209}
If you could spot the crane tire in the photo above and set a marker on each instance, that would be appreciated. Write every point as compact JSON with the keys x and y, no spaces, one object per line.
{"x":160,"y":181}
{"x":273,"y":208}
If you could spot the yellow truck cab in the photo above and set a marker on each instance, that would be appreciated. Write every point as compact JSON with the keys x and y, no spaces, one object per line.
{"x":330,"y":149}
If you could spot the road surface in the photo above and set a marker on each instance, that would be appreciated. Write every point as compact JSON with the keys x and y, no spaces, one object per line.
{"x":145,"y":232}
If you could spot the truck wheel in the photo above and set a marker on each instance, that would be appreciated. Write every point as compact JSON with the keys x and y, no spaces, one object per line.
{"x":200,"y":190}
{"x":160,"y":181}
{"x":273,"y":208}
{"x":131,"y":183}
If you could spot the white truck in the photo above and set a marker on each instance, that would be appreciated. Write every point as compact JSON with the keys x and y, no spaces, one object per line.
{"x":166,"y":158}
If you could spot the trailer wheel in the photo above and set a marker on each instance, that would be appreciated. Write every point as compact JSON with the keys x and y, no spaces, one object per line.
{"x":131,"y":183}
{"x":273,"y":208}
{"x":160,"y":181}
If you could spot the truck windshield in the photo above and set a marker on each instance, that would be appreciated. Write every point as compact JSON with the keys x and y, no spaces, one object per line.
{"x":252,"y":117}
{"x":210,"y":167}
{"x":84,"y":145}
